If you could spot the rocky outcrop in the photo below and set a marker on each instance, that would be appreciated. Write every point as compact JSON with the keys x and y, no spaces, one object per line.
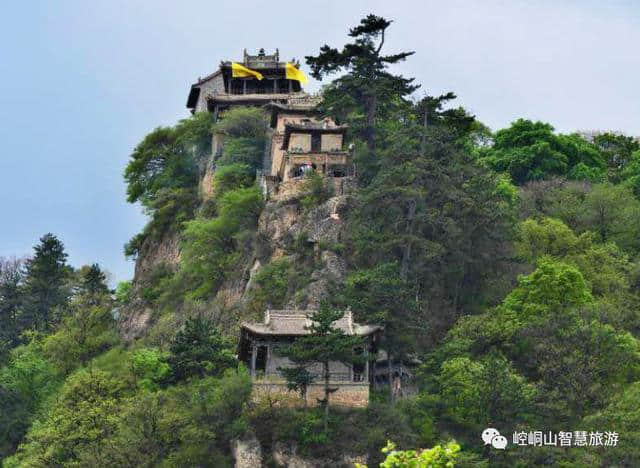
{"x":135,"y":317}
{"x":286,"y":455}
{"x":247,"y":453}
{"x":281,"y":222}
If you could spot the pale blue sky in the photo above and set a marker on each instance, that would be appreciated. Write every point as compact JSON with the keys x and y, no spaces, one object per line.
{"x":82,"y":82}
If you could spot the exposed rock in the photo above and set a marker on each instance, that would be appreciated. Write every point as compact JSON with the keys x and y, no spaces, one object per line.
{"x":154,"y":252}
{"x":286,"y":456}
{"x":281,"y":222}
{"x":134,"y":322}
{"x":321,"y":223}
{"x":246,"y":453}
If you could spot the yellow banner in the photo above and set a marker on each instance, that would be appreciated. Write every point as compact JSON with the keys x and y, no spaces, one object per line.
{"x":294,"y":74}
{"x":238,"y":71}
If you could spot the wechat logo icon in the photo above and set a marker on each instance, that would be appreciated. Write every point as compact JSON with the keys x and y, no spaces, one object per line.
{"x":492,"y":436}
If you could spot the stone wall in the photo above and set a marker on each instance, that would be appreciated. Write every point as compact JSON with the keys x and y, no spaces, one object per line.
{"x":300,"y":141}
{"x":284,"y":118}
{"x":331,"y":142}
{"x":349,"y":394}
{"x":214,"y":85}
{"x":277,"y":154}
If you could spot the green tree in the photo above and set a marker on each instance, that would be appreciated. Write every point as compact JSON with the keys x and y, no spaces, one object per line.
{"x":619,"y":416}
{"x":167,"y":159}
{"x":548,"y":330}
{"x":86,"y":330}
{"x":149,"y":368}
{"x":212,"y":247}
{"x":231,"y":177}
{"x":436,"y":457}
{"x":11,"y":297}
{"x":298,"y":379}
{"x":199,"y":350}
{"x":379,"y":295}
{"x":324,"y":344}
{"x":532,"y":151}
{"x":84,"y":415}
{"x":93,"y":281}
{"x":450,"y":236}
{"x":46,"y":283}
{"x":613,"y":213}
{"x":163,"y":174}
{"x":366,"y":87}
{"x":486,"y":392}
{"x":26,"y":382}
{"x":618,"y":152}
{"x":243,"y":130}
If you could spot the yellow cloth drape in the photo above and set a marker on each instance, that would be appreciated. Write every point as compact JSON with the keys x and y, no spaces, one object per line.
{"x":293,"y":73}
{"x":239,"y":71}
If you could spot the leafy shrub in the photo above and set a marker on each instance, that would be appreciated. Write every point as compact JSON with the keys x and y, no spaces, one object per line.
{"x":241,"y":150}
{"x":231,"y":177}
{"x":314,"y":190}
{"x":149,"y":368}
{"x":199,"y":350}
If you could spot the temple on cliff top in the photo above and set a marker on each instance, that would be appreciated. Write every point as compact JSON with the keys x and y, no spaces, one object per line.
{"x":299,"y":142}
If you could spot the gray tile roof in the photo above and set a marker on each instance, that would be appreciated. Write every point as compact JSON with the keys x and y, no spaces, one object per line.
{"x":292,"y":322}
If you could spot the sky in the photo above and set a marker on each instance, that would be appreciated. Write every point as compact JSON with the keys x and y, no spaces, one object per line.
{"x":81,"y":83}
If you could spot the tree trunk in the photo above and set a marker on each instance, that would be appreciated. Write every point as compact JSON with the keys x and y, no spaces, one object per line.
{"x":423,"y":140}
{"x":406,"y":255}
{"x":371,"y":105}
{"x":326,"y":395}
{"x":390,"y":378}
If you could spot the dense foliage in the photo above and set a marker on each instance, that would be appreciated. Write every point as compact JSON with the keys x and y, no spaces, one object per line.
{"x":504,"y":267}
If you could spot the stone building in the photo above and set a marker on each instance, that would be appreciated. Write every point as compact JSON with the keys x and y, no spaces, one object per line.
{"x":258,"y":349}
{"x":299,"y":142}
{"x":220,"y":90}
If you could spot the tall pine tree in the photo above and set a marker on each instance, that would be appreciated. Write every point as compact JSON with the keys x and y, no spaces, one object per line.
{"x":324,"y":344}
{"x":367,"y":88}
{"x":46,"y":287}
{"x":11,"y":278}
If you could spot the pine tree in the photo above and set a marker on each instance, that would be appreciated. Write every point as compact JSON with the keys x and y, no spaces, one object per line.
{"x":367,"y":87}
{"x":93,"y":282}
{"x":11,"y":278}
{"x":200,"y":350}
{"x":46,"y":285}
{"x":324,"y":344}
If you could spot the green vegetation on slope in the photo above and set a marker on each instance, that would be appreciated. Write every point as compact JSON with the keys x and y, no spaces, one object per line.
{"x":506,"y":264}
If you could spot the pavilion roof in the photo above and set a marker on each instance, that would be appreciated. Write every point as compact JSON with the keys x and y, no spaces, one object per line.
{"x":295,"y":322}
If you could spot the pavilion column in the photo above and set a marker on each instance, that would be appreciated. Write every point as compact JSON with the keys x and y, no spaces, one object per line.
{"x":254,"y":354}
{"x":366,"y":366}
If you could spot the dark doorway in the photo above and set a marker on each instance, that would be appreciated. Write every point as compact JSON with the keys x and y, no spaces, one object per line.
{"x":316,"y":140}
{"x":261,"y":359}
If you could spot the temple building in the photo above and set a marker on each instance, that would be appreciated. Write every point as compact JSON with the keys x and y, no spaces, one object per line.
{"x":258,"y":349}
{"x":221,"y":90}
{"x":301,"y":143}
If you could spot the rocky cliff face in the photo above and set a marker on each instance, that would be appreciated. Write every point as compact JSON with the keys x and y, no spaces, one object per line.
{"x":248,"y":454}
{"x":154,"y":254}
{"x":282,"y":221}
